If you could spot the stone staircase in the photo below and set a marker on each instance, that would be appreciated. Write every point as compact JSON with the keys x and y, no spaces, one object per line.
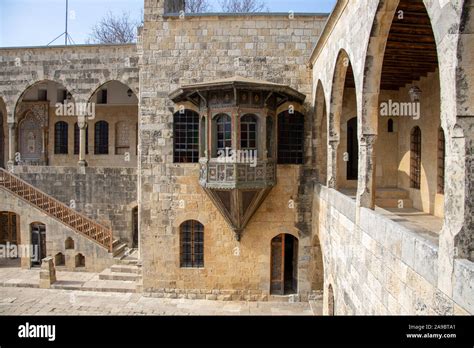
{"x":392,"y":198}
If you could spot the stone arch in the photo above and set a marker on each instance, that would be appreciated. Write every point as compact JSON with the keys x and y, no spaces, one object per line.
{"x":103,"y":82}
{"x":343,"y":78}
{"x":33,"y":83}
{"x":320,"y":134}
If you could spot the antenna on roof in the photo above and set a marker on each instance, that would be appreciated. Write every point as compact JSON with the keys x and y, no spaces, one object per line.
{"x":67,"y":37}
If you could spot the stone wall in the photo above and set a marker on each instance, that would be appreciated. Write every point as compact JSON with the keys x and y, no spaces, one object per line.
{"x":174,"y":52}
{"x":106,"y":195}
{"x":377,"y":267}
{"x":96,"y":257}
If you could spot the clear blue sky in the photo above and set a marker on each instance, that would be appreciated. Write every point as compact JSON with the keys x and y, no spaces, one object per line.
{"x":37,"y":22}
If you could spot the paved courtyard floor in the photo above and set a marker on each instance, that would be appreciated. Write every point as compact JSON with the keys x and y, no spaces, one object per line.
{"x":32,"y":301}
{"x":81,"y":293}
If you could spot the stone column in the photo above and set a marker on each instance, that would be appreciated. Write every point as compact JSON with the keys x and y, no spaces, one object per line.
{"x":332,"y":163}
{"x":82,"y":124}
{"x":367,"y":163}
{"x":11,"y":144}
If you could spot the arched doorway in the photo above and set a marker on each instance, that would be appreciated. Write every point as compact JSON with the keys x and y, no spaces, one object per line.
{"x":38,"y":242}
{"x":284,"y":265}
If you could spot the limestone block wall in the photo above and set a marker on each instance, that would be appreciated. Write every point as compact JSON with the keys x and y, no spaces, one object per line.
{"x":106,"y":195}
{"x":174,"y":52}
{"x":96,"y":257}
{"x":376,"y":266}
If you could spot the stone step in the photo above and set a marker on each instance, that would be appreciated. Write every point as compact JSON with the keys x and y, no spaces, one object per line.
{"x":109,"y":275}
{"x":99,"y":285}
{"x":119,"y":249}
{"x":127,"y":262}
{"x":126,"y":269}
{"x":393,"y":203}
{"x":394,"y":193}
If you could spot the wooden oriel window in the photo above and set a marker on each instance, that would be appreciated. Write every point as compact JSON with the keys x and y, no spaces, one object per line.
{"x":290,"y":138}
{"x":192,"y":244}
{"x":248,"y":132}
{"x":77,"y":139}
{"x":186,"y":137}
{"x":101,"y":143}
{"x":224,"y":132}
{"x":61,"y":138}
{"x":441,"y":160}
{"x":415,"y":158}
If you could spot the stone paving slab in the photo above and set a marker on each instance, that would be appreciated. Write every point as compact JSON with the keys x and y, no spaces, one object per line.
{"x":28,"y":301}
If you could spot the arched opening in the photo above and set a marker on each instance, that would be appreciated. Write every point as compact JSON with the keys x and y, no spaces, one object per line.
{"x":343,"y":109}
{"x":59,"y":259}
{"x":113,"y":129}
{"x":135,"y":227}
{"x":402,"y":77}
{"x":284,"y":265}
{"x":43,"y":114}
{"x":321,"y":135}
{"x":331,"y":303}
{"x":69,"y":244}
{"x":38,"y":242}
{"x":80,"y":261}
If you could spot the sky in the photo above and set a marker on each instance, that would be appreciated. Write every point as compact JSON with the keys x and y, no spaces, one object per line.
{"x":38,"y":22}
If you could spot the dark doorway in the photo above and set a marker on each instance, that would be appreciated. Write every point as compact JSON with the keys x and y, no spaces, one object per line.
{"x":9,"y":228}
{"x":38,"y":241}
{"x":352,"y":150}
{"x":135,"y":227}
{"x":284,"y":265}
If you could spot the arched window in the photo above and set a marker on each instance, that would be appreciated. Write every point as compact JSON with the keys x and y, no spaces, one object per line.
{"x":390,"y":126}
{"x":248,"y":132}
{"x":224,"y":132}
{"x":441,"y":160}
{"x":186,"y":137}
{"x":101,"y":145}
{"x":415,"y":158}
{"x":60,"y":138}
{"x":290,"y":138}
{"x":77,"y":139}
{"x":192,"y":244}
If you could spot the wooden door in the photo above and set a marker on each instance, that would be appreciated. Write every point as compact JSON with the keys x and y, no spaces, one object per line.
{"x":277,"y":265}
{"x":295,"y":266}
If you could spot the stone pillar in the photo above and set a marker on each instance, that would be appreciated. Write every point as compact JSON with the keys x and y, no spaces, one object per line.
{"x":47,"y":273}
{"x":332,"y":163}
{"x":11,"y":144}
{"x":367,"y":163}
{"x":82,"y":124}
